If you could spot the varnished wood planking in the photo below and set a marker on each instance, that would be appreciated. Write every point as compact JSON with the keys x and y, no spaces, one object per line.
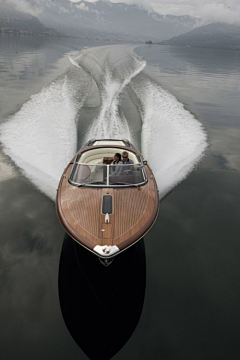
{"x":134,"y":211}
{"x":67,"y":219}
{"x":129,"y":206}
{"x":107,"y":231}
{"x":85,"y":207}
{"x":143,"y":225}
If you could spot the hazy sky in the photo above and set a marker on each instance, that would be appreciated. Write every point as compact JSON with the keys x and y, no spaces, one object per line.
{"x":208,"y":10}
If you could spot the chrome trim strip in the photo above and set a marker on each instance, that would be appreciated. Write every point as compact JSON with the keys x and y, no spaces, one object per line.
{"x":107,"y":164}
{"x":110,"y":185}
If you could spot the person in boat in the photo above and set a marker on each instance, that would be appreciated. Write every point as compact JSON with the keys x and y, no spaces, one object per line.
{"x":115,"y":169}
{"x":127,"y":169}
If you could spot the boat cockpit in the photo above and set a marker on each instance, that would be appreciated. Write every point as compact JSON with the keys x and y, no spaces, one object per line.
{"x":94,"y":168}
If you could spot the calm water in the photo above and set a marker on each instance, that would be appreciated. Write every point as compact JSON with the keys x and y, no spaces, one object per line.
{"x":192,"y":253}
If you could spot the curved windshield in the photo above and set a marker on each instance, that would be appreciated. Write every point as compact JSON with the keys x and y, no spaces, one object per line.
{"x":107,"y":175}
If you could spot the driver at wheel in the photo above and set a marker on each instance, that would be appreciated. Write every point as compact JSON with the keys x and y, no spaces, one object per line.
{"x":128,"y":163}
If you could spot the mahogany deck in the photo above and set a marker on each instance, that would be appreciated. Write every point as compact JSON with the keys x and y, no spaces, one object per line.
{"x":134,"y":211}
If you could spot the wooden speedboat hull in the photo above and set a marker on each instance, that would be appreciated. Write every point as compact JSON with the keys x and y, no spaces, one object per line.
{"x":80,"y":212}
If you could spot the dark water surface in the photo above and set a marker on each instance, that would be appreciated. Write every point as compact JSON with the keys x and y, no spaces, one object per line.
{"x":191,"y":306}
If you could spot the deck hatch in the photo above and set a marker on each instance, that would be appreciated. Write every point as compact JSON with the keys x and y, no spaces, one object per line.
{"x":107,"y":204}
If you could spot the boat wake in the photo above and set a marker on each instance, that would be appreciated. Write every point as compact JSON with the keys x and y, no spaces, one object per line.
{"x":172,"y":139}
{"x":104,"y":94}
{"x":111,"y":123}
{"x":42,"y":136}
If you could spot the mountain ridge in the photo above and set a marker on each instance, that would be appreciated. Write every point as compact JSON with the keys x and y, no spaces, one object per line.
{"x":126,"y":21}
{"x":213,"y":36}
{"x":12,"y":20}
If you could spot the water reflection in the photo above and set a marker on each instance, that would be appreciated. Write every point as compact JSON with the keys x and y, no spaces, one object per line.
{"x":101,"y":305}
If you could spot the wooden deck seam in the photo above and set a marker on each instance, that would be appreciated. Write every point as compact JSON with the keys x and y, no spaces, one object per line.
{"x":122,"y":234}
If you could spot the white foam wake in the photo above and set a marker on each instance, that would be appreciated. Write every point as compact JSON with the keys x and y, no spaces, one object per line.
{"x":173,"y":141}
{"x":109,"y":123}
{"x":41,"y":138}
{"x":73,"y":61}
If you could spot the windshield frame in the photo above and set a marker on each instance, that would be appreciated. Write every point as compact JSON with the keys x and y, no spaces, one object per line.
{"x":107,"y":184}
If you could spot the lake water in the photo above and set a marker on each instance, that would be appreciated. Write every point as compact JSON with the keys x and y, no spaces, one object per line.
{"x":180,"y":107}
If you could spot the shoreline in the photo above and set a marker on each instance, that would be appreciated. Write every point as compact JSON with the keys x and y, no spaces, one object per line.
{"x":25,"y":32}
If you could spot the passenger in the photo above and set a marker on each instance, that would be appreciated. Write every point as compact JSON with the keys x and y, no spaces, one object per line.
{"x":127,"y":162}
{"x":116,"y":170}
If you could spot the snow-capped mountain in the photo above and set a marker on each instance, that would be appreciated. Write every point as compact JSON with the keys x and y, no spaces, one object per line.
{"x":103,"y":16}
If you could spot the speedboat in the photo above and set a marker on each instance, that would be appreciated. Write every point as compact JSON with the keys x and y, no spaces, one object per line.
{"x":107,"y":207}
